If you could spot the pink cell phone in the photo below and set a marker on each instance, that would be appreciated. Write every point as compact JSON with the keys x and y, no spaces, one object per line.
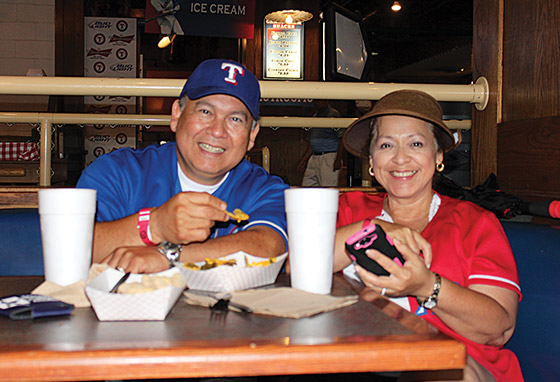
{"x":372,"y":237}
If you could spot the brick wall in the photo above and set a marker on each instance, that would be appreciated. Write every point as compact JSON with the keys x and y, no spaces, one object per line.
{"x":26,"y":41}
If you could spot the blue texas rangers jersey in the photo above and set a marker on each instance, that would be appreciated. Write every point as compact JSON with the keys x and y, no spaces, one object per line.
{"x":128,"y":180}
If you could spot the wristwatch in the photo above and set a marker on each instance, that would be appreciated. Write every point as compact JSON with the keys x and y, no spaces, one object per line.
{"x":431,"y":302}
{"x":171,"y":251}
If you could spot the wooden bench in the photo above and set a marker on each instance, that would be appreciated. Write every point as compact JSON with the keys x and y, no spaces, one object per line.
{"x":18,"y":197}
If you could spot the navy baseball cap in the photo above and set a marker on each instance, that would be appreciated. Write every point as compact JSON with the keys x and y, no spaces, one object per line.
{"x":216,"y":76}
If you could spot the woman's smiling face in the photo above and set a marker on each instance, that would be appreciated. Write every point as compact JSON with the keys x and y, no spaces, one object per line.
{"x":404,"y":156}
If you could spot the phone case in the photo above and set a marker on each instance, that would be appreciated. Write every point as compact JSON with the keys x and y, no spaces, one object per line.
{"x":372,"y":237}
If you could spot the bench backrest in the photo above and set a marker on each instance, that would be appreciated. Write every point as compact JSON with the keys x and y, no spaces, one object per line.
{"x":21,"y":252}
{"x":535,"y":342}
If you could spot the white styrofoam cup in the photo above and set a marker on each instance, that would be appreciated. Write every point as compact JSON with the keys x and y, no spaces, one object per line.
{"x":67,"y":217}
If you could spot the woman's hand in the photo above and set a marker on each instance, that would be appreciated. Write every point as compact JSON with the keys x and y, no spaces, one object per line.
{"x":395,"y":231}
{"x":410,"y":237}
{"x":412,"y":279}
{"x":482,"y":313}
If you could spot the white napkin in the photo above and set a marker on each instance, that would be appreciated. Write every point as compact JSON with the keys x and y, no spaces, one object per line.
{"x":73,"y":293}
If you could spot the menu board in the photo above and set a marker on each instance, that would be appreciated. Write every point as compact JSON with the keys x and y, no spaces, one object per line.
{"x":283,"y":51}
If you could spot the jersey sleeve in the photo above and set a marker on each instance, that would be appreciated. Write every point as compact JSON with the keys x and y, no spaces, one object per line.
{"x":103,"y":176}
{"x":128,"y":180}
{"x":257,"y":193}
{"x":268,"y":209}
{"x":494,"y":262}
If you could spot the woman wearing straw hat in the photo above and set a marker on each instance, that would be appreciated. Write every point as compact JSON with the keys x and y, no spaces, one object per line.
{"x":459,"y":272}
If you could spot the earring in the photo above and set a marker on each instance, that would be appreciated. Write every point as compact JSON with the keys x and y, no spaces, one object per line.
{"x":440,"y":167}
{"x":370,"y":170}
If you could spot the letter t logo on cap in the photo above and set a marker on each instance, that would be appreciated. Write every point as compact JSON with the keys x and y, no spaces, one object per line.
{"x":232,"y":71}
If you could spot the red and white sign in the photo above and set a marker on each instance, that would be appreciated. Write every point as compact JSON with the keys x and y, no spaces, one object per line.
{"x":110,"y":51}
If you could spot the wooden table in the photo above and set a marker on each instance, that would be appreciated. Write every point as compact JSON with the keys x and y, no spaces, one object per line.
{"x":374,"y":335}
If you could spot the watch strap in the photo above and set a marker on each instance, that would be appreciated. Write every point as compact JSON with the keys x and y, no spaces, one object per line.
{"x":143,"y":225}
{"x":171,"y":251}
{"x":431,"y":301}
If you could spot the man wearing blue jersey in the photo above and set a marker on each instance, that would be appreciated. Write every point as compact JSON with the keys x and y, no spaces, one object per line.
{"x":167,"y":203}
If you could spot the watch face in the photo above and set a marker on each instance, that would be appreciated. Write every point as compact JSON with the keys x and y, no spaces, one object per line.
{"x":173,"y":256}
{"x":430,"y":304}
{"x":170,"y":250}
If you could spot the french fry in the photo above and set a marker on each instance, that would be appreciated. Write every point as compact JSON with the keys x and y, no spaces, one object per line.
{"x":213,"y":263}
{"x":238,"y":215}
{"x":263,"y":263}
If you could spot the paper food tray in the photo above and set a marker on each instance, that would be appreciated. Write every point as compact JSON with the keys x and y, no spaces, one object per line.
{"x":226,"y":278}
{"x":150,"y":306}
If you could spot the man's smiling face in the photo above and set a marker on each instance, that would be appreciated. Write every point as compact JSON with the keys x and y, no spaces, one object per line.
{"x":213,"y":134}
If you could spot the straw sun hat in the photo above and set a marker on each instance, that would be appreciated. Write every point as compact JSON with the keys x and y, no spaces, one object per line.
{"x":412,"y":103}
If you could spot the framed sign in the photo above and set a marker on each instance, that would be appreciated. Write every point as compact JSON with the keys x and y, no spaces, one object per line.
{"x":283,"y":51}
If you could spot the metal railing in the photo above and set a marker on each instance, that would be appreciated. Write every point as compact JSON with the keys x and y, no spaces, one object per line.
{"x":475,"y":93}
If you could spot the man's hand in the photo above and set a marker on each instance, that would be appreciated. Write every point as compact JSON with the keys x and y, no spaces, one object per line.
{"x":187,"y":217}
{"x":137,"y":259}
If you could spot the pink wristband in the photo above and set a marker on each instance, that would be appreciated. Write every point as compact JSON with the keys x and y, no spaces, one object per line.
{"x":143,"y":226}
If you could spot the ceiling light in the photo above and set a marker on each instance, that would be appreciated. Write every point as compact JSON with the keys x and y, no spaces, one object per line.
{"x":396,"y":6}
{"x":166,"y":40}
{"x":290,"y":16}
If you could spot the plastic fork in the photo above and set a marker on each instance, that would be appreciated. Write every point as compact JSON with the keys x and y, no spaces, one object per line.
{"x":224,"y":303}
{"x":119,"y":283}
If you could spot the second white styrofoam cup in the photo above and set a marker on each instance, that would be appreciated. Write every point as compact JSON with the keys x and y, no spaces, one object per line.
{"x":311,"y":214}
